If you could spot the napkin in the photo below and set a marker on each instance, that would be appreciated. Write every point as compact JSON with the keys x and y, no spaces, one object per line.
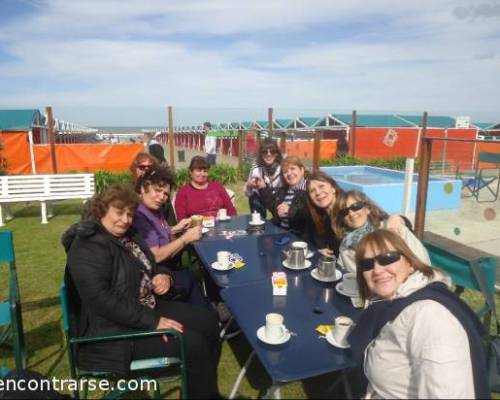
{"x":324,"y":329}
{"x":239,"y":264}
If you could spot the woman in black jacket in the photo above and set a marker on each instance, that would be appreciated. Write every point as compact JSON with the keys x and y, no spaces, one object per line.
{"x":288,"y":204}
{"x":115,"y":286}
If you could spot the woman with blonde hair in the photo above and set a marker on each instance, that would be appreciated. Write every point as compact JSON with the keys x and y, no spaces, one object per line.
{"x":417,"y":338}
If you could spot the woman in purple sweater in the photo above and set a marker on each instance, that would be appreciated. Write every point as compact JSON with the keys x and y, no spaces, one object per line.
{"x":201,"y":196}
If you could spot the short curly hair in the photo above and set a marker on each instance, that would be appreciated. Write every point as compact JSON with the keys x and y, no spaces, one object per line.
{"x":119,"y":195}
{"x":158,"y":175}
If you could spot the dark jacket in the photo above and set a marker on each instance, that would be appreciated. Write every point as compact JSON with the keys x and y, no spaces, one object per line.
{"x":102,"y":280}
{"x":297,"y":213}
{"x":326,"y":240}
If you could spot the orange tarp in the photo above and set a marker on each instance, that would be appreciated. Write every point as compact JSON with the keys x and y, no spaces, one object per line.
{"x":86,"y":157}
{"x":304,"y":149}
{"x":16,"y":151}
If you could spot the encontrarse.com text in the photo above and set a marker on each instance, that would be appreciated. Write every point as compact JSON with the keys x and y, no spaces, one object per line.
{"x":73,"y":385}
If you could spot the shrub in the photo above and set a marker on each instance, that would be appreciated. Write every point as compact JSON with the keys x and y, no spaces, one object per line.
{"x":397,"y":163}
{"x":103,"y":179}
{"x":3,"y":162}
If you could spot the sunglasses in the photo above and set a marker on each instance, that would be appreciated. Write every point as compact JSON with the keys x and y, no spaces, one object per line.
{"x":267,"y":151}
{"x":367,"y":264}
{"x":144,"y":167}
{"x":359,"y":205}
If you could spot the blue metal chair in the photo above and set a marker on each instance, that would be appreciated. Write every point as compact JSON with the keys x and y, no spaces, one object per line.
{"x":11,"y":323}
{"x":136,"y":366}
{"x":483,"y":177}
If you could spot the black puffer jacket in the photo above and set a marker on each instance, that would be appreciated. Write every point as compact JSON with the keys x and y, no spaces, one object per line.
{"x":102,"y":280}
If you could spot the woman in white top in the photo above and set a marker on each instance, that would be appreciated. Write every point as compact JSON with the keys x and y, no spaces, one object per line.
{"x":266,"y":168}
{"x":418,"y":339}
{"x":357,"y":215}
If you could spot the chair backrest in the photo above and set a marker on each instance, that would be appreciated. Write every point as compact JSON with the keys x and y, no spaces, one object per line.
{"x":7,"y":247}
{"x":489,"y":157}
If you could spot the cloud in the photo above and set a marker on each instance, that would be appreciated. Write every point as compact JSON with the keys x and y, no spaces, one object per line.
{"x":485,"y":10}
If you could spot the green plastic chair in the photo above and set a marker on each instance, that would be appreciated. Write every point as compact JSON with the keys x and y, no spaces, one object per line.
{"x":458,"y":260}
{"x":11,"y":322}
{"x":136,"y":367}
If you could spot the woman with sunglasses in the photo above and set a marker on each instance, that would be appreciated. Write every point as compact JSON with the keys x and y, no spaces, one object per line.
{"x":418,"y":339}
{"x":266,"y":168}
{"x":323,"y":192}
{"x":288,"y":204}
{"x":357,"y":216}
{"x":141,"y":164}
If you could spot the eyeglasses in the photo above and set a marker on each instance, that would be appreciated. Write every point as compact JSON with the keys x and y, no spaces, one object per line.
{"x":267,"y":151}
{"x":359,"y":205}
{"x":144,"y":167}
{"x":367,"y":264}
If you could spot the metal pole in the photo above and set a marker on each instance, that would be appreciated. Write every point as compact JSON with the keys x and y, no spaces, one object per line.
{"x":317,"y":144}
{"x":408,"y":185}
{"x":353,"y":133}
{"x":240,"y":154}
{"x":52,"y":139}
{"x":171,"y":137}
{"x":270,"y":121}
{"x":423,"y":180}
{"x":32,"y":153}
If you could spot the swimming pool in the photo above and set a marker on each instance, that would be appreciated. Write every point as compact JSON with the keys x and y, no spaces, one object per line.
{"x":386,"y":187}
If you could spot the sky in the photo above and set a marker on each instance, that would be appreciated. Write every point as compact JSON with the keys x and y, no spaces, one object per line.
{"x":122,"y":62}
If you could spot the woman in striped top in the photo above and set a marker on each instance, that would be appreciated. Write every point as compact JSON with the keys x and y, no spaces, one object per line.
{"x":288,"y":204}
{"x":267,"y":168}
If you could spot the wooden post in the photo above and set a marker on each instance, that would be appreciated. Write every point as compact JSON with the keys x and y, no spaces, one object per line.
{"x":317,"y":144}
{"x":352,"y":139}
{"x":270,"y":122}
{"x":52,"y":139}
{"x":171,"y":137}
{"x":423,"y":180}
{"x":283,"y":142}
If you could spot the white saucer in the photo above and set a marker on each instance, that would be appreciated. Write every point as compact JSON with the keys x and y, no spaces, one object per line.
{"x":333,"y":278}
{"x":226,"y":218}
{"x":310,"y":253}
{"x":307,"y":264}
{"x":330,"y":339}
{"x":261,"y":334}
{"x":256,"y":223}
{"x":340,"y":289}
{"x":204,"y":230}
{"x":215,"y":265}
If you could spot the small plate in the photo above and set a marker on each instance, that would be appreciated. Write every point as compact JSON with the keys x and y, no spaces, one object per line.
{"x":215,"y":265}
{"x":256,"y":223}
{"x":330,"y":339}
{"x":307,"y":264}
{"x":261,"y":334}
{"x":333,"y":278}
{"x":340,"y":289}
{"x":226,"y":218}
{"x":204,"y":230}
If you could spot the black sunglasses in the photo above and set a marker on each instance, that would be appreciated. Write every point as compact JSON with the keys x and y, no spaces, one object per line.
{"x":367,"y":264}
{"x":353,"y":207}
{"x":144,"y":167}
{"x":268,"y":151}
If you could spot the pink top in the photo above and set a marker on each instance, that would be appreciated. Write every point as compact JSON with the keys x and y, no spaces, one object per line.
{"x":190,"y":201}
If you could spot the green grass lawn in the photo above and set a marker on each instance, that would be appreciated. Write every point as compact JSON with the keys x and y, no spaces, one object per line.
{"x":40,"y":262}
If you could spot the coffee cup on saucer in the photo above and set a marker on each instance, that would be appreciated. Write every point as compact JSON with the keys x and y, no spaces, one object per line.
{"x":275,"y":329}
{"x":350,"y":283}
{"x":300,"y":245}
{"x":295,"y":257}
{"x":222,"y":213}
{"x":343,"y":326}
{"x":326,"y":266}
{"x":256,"y":219}
{"x":223,"y":259}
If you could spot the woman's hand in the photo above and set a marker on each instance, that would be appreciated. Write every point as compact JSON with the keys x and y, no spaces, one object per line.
{"x":192,"y":234}
{"x":251,"y":183}
{"x":259,"y":183}
{"x":326,"y":252}
{"x":161,"y":284}
{"x":395,"y":223}
{"x":282,"y":210}
{"x":182,"y":224}
{"x":166,"y":323}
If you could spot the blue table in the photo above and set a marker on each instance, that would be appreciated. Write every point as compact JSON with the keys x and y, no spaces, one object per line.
{"x":306,"y":354}
{"x":261,"y":254}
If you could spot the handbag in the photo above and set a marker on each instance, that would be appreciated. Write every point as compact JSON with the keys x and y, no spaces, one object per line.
{"x":492,"y":341}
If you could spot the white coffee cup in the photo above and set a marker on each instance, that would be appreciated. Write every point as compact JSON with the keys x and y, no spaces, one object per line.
{"x":222,"y":213}
{"x":350,"y":283}
{"x":274,"y":326}
{"x":223,"y":259}
{"x":343,"y":326}
{"x":302,"y":245}
{"x":256,"y":218}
